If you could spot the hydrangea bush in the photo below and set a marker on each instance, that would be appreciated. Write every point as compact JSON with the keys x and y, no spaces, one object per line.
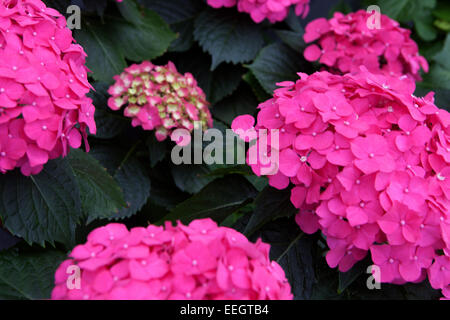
{"x":370,"y":165}
{"x":161,"y":99}
{"x":273,"y":10}
{"x":200,"y":261}
{"x":89,"y":180}
{"x":345,"y":42}
{"x":44,"y":110}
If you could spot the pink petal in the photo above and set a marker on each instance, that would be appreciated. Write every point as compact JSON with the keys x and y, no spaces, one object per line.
{"x":308,"y":221}
{"x":103,"y":282}
{"x":298,"y":195}
{"x":312,"y":53}
{"x":36,"y":155}
{"x":356,"y":216}
{"x":289,"y":163}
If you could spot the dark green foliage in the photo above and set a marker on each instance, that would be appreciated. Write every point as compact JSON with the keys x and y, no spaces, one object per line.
{"x":128,"y":176}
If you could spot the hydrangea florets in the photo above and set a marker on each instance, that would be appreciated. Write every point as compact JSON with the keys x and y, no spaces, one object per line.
{"x":370,"y":165}
{"x":200,"y":261}
{"x":346,"y":42}
{"x":160,"y":98}
{"x":44,"y":110}
{"x":273,"y":10}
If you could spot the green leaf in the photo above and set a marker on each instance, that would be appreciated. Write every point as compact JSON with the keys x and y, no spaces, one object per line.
{"x":405,"y":10}
{"x":97,"y":6}
{"x":342,"y":7}
{"x":41,"y":208}
{"x":443,"y":57}
{"x":294,"y":252}
{"x":241,"y":102}
{"x":104,"y":59}
{"x":421,"y":291}
{"x":156,"y":150}
{"x":190,"y":178}
{"x":442,"y":11}
{"x":347,"y":278}
{"x":228,"y":36}
{"x":199,"y":67}
{"x":173,"y":11}
{"x":60,"y":5}
{"x":129,"y":173}
{"x":293,"y":21}
{"x":276,"y":63}
{"x":270,"y":205}
{"x":443,"y":25}
{"x":144,"y":35}
{"x":424,"y":26}
{"x":437,"y":78}
{"x":180,"y":14}
{"x":7,"y":240}
{"x":109,"y":124}
{"x":28,"y":275}
{"x":292,"y":39}
{"x":217,"y":200}
{"x":185,"y":36}
{"x":222,"y":171}
{"x":164,"y":191}
{"x":218,"y":84}
{"x":101,"y":196}
{"x":133,"y":179}
{"x":257,"y":89}
{"x":442,"y":96}
{"x":327,"y":281}
{"x":258,"y":182}
{"x":225,"y":81}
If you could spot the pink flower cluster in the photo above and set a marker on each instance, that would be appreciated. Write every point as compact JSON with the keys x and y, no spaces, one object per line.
{"x":370,"y":165}
{"x":274,"y":10}
{"x":346,"y":42}
{"x":160,"y":98}
{"x":200,"y":261}
{"x":43,"y":85}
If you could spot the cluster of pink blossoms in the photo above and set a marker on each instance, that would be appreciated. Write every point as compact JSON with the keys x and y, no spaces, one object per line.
{"x":200,"y":261}
{"x":273,"y":10}
{"x":160,"y":98}
{"x":370,"y":164}
{"x":345,"y":42}
{"x":43,"y":85}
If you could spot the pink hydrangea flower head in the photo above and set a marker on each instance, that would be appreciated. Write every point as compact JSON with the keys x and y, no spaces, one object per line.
{"x":273,"y":10}
{"x":160,"y":98}
{"x":44,"y":110}
{"x":200,"y":261}
{"x":346,"y":42}
{"x":222,"y":3}
{"x":370,"y":167}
